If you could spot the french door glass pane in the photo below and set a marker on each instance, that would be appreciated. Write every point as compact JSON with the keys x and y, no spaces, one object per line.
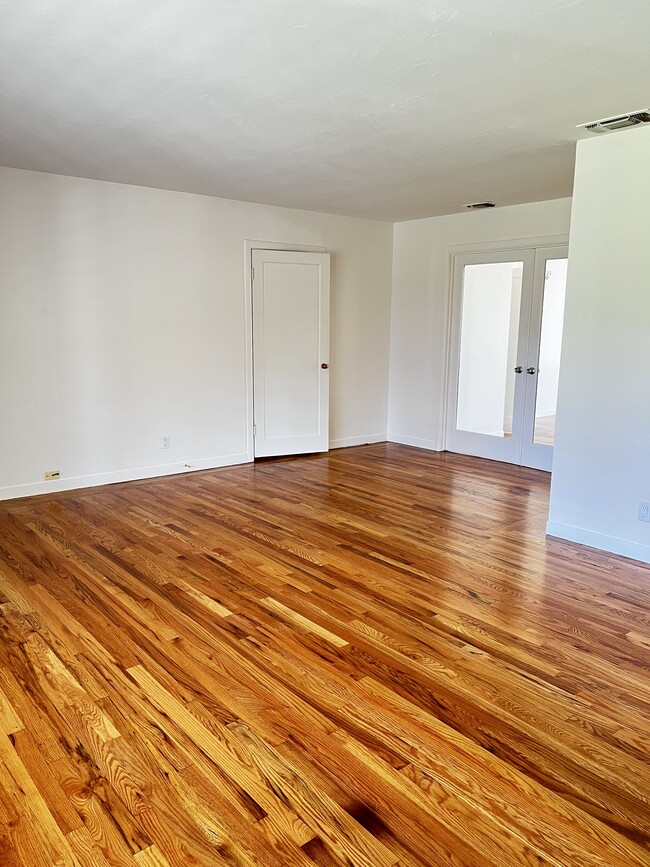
{"x":488,"y":347}
{"x":549,"y":350}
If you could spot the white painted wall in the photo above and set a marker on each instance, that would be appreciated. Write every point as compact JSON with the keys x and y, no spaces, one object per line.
{"x":601,"y":466}
{"x":420,"y":305}
{"x":123,"y":317}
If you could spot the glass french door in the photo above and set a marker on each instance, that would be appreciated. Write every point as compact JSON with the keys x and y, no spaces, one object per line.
{"x":507,"y":318}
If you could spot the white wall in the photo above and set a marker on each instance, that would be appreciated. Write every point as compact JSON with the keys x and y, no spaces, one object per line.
{"x":601,"y":466}
{"x":420,"y":305}
{"x":122,"y":318}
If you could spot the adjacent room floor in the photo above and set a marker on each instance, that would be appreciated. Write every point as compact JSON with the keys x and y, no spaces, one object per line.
{"x":368,"y":658}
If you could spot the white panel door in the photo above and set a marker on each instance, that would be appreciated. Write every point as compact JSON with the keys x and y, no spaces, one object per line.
{"x":290,"y":352}
{"x":543,"y":357}
{"x":508,"y":311}
{"x":491,"y":308}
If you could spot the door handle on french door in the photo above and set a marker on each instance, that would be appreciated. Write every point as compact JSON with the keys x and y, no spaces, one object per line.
{"x":324,"y":365}
{"x":531,"y":370}
{"x":519,"y":369}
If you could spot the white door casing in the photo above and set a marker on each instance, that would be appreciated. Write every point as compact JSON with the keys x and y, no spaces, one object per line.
{"x":290,"y":352}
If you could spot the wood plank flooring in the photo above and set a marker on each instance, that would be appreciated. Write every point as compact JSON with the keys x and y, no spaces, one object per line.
{"x":372,"y":658}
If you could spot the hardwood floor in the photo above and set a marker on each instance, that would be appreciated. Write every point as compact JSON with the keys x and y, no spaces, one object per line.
{"x":370,"y":658}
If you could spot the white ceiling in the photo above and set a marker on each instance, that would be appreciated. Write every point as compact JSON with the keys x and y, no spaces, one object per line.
{"x":391,"y":109}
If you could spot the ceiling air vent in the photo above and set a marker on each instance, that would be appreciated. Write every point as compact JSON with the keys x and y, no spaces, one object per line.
{"x":479,"y":206}
{"x":621,"y":121}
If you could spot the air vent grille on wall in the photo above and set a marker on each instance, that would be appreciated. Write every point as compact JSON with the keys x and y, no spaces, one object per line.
{"x":621,"y":121}
{"x":479,"y":206}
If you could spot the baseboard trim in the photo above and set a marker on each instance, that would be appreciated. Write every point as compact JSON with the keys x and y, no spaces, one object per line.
{"x":611,"y":544}
{"x":358,"y":441}
{"x":15,"y":492}
{"x":414,"y":441}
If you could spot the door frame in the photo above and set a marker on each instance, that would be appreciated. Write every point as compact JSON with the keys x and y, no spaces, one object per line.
{"x":249,"y":246}
{"x":511,"y":245}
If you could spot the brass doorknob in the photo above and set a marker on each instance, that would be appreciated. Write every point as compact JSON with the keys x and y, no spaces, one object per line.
{"x":324,"y":365}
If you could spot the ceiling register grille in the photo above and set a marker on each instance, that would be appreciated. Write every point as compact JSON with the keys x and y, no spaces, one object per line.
{"x":621,"y":121}
{"x":479,"y":206}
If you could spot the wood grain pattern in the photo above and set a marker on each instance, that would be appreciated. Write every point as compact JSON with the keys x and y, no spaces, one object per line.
{"x":372,"y":658}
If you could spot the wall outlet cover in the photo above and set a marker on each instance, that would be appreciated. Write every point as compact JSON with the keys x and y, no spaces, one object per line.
{"x":52,"y":474}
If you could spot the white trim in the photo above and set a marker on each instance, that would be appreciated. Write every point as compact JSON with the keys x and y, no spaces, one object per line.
{"x":131,"y":475}
{"x":623,"y":547}
{"x":506,"y":245}
{"x":417,"y":442}
{"x":358,"y":441}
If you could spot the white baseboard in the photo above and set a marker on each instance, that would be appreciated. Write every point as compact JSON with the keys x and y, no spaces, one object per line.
{"x":414,"y":441}
{"x":357,"y":441}
{"x":612,"y":544}
{"x":73,"y":483}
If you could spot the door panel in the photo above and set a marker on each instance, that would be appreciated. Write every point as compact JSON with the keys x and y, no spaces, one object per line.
{"x":290,"y":343}
{"x":545,"y":340}
{"x":490,"y":315}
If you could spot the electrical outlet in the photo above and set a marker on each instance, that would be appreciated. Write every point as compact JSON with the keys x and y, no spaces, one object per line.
{"x":52,"y":474}
{"x":644,"y":512}
{"x":166,"y":442}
